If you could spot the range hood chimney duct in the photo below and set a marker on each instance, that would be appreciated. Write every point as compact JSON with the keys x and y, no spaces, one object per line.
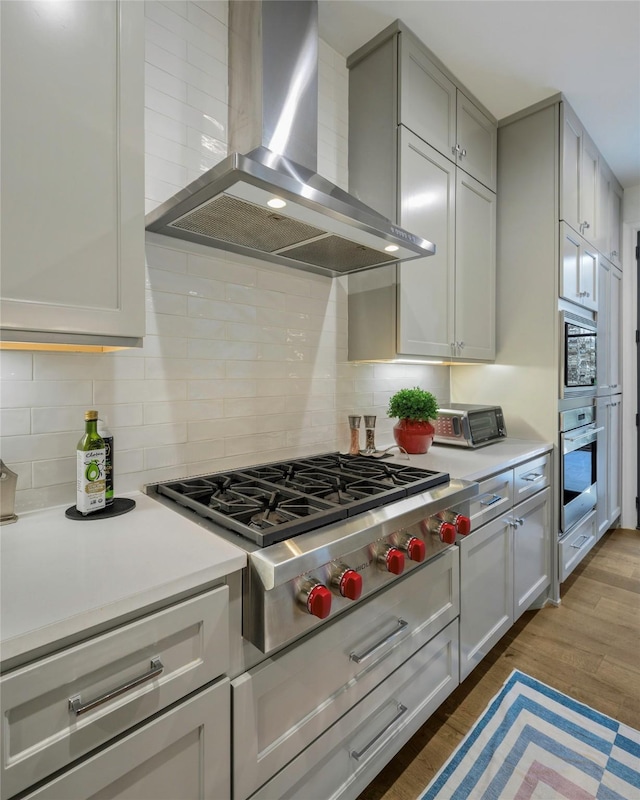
{"x":266,"y":200}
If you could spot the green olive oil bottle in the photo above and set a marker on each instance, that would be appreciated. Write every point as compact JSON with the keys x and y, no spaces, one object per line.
{"x":90,"y":494}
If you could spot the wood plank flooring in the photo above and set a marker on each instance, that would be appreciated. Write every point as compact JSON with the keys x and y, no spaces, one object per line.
{"x":588,"y":647}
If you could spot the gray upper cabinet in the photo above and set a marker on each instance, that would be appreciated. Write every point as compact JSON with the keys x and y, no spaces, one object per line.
{"x":436,"y":110}
{"x":580,"y":167}
{"x":72,"y":226}
{"x":403,"y":103}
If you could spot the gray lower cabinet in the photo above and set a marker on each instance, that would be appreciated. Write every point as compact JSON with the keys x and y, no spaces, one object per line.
{"x":184,"y":753}
{"x":609,"y":466}
{"x":505,"y":562}
{"x":107,"y":716}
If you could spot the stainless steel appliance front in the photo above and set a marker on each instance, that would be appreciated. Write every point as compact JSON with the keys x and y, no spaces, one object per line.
{"x":578,"y":471}
{"x":578,"y":355}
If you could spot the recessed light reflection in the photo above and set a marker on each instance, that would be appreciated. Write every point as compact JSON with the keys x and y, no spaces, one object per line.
{"x":276,"y":202}
{"x":391,"y":248}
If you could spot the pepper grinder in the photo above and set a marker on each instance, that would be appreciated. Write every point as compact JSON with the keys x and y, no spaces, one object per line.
{"x":354,"y":425}
{"x":370,"y":434}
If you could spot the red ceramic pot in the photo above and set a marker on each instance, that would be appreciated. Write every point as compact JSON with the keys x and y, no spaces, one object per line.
{"x":413,"y":435}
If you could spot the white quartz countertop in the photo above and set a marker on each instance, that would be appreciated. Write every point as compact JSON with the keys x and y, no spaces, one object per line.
{"x":60,"y":577}
{"x":474,"y":465}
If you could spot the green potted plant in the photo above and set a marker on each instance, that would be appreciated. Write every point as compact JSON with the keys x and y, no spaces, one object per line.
{"x":414,"y":409}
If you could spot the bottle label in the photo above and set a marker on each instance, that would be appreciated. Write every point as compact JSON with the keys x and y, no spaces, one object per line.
{"x":108,"y":469}
{"x":90,"y":494}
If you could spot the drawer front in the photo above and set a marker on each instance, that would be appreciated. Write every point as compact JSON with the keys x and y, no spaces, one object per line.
{"x":531,"y":477}
{"x":342,"y":762}
{"x":42,"y":732}
{"x":283,"y":704}
{"x":495,"y":498}
{"x":575,"y":546}
{"x":182,"y":753}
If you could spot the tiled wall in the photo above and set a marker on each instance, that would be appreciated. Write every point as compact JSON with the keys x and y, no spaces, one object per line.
{"x":241,"y":363}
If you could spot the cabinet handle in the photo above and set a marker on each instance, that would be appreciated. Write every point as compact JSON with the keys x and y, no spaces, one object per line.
{"x":519,"y":521}
{"x":495,"y":498}
{"x":78,"y":707}
{"x":401,"y":625}
{"x":357,"y":754}
{"x":579,"y":544}
{"x":463,"y":152}
{"x":455,"y":150}
{"x":585,"y":225}
{"x":614,"y":253}
{"x":583,"y":435}
{"x":532,"y":477}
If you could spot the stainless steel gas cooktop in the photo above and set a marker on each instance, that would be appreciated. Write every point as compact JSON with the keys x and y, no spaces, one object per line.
{"x":276,"y":501}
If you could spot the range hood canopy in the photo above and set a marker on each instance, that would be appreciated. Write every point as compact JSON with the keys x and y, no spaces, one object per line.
{"x":271,"y":203}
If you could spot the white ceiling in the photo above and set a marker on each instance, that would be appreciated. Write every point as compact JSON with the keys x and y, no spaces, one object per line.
{"x":512,"y":53}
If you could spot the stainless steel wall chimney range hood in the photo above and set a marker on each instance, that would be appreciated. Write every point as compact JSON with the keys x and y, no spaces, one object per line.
{"x":271,"y":203}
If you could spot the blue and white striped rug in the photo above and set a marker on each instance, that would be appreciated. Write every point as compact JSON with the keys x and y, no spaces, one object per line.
{"x":535,"y":743}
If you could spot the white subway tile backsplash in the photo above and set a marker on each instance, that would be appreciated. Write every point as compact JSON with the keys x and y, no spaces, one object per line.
{"x":138,"y":391}
{"x":68,"y":366}
{"x":219,"y":269}
{"x":164,"y":82}
{"x":16,"y":365}
{"x":180,"y":368}
{"x":161,"y":280}
{"x":15,"y":421}
{"x":182,"y":411}
{"x":54,"y":471}
{"x":28,"y":394}
{"x":222,"y":350}
{"x":253,"y":406}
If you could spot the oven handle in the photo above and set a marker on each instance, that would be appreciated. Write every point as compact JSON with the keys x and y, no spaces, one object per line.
{"x":357,"y":754}
{"x":582,"y":435}
{"x":401,"y":625}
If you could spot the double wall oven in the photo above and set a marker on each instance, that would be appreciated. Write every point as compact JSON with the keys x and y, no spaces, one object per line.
{"x":349,"y":612}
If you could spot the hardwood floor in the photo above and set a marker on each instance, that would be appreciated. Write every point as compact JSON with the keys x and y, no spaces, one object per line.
{"x":588,"y":647}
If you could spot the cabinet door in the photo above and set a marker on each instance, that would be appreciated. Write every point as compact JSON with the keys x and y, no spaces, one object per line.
{"x":475,"y":288}
{"x":183,"y":753}
{"x":427,"y":98}
{"x":602,"y":455}
{"x":604,"y":325}
{"x":426,"y":286}
{"x":604,"y":188}
{"x":570,"y":173}
{"x":588,"y":280}
{"x":73,"y":168}
{"x":615,"y":223}
{"x":614,"y":460}
{"x":486,"y":591}
{"x":615,"y":315}
{"x":579,"y":269}
{"x":531,"y":550}
{"x":477,"y":138}
{"x":589,"y":168}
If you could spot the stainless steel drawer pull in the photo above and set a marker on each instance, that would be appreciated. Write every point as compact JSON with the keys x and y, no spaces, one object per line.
{"x":402,"y":624}
{"x":495,"y":498}
{"x":532,"y":477}
{"x":78,"y":707}
{"x":580,"y":542}
{"x":357,"y":754}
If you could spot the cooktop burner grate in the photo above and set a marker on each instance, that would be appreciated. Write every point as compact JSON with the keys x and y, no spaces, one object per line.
{"x":273,"y":502}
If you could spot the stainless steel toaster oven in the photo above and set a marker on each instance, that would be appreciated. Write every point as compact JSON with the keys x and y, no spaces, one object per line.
{"x":469,"y":425}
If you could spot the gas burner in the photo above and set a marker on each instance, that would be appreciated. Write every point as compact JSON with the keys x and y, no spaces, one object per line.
{"x":272,"y":502}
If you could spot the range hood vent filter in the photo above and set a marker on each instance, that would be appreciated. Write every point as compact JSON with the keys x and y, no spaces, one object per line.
{"x":246,"y":224}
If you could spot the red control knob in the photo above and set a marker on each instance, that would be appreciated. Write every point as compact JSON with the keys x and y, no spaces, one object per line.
{"x":416,"y":549}
{"x":392,"y":560}
{"x":447,"y":533}
{"x":319,"y":601}
{"x":463,"y":524}
{"x":351,"y":584}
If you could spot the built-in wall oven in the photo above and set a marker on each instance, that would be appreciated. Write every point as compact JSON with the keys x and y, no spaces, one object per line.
{"x":578,"y":355}
{"x":578,"y":473}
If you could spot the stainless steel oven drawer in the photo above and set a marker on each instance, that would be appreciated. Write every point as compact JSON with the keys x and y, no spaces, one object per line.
{"x":283,"y":704}
{"x":531,"y":477}
{"x":342,"y":762}
{"x":61,"y":707}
